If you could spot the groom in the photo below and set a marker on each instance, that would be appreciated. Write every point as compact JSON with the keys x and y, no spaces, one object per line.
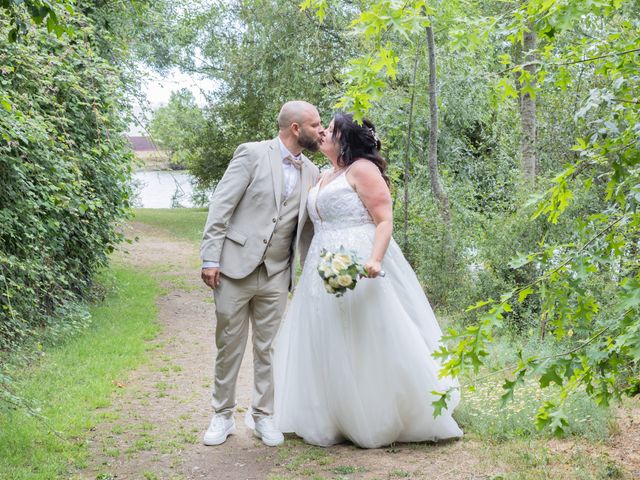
{"x":256,"y":228}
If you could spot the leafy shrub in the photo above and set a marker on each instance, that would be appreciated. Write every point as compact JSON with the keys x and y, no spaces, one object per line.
{"x":64,"y":168}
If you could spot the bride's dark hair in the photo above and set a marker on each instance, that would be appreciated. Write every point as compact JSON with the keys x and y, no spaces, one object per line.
{"x":358,"y":141}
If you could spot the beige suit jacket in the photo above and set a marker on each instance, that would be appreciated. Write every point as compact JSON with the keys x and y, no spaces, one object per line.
{"x":243,"y":208}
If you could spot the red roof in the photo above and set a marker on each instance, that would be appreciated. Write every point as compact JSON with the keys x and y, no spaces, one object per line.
{"x":142,"y":144}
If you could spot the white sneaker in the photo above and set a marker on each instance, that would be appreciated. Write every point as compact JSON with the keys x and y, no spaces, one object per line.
{"x":268,"y":433}
{"x":219,"y":429}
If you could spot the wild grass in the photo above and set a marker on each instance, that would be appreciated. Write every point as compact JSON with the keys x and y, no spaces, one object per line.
{"x":481,"y":412}
{"x":183,"y":223}
{"x":73,"y":381}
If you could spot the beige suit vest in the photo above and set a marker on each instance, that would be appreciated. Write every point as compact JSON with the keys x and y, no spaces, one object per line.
{"x":279,"y":250}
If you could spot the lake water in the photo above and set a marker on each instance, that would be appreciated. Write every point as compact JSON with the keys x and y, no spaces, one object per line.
{"x":163,"y":189}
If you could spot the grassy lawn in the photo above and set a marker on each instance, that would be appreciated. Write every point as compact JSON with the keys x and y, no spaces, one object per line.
{"x":71,"y":382}
{"x":185,"y":223}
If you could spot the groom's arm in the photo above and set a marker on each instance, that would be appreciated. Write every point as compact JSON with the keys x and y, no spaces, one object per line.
{"x":224,"y":201}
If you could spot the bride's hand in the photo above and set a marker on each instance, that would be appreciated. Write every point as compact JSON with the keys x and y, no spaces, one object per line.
{"x":373,"y":268}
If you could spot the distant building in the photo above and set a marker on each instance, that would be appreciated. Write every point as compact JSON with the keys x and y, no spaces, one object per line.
{"x":153,"y":157}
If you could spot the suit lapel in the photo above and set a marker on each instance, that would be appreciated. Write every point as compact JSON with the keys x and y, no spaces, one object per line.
{"x":276,"y":171}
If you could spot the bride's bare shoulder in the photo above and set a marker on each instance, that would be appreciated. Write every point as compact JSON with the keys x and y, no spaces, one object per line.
{"x":363,"y":170}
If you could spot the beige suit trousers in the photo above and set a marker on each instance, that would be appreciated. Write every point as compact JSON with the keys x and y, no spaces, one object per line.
{"x":258,"y":299}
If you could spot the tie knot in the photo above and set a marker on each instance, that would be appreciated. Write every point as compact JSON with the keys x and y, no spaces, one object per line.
{"x":291,"y":160}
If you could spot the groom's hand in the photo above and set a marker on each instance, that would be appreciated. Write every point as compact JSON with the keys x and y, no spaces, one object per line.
{"x":211,"y":276}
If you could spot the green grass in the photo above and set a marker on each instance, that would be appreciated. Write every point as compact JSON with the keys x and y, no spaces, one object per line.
{"x":536,"y":459}
{"x":480,"y":411}
{"x":73,"y":381}
{"x":184,"y":223}
{"x":300,"y":458}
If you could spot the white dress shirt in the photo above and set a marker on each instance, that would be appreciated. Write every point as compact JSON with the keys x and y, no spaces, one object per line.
{"x":291,"y":173}
{"x":291,"y":176}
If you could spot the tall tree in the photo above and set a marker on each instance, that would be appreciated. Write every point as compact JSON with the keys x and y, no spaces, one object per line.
{"x":436,"y":182}
{"x":407,"y":151}
{"x":177,"y":126}
{"x":527,"y":85}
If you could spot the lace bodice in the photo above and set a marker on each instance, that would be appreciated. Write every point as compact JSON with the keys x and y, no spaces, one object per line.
{"x":336,"y":206}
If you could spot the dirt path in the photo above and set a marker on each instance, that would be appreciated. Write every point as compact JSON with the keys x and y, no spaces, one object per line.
{"x":154,"y":427}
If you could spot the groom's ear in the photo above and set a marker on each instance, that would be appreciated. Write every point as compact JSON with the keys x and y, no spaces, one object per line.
{"x":295,"y":128}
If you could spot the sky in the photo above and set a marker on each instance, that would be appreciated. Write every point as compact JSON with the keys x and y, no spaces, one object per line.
{"x":157,"y":89}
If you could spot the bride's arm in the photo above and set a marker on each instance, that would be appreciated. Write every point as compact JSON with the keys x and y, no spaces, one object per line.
{"x":367,"y":181}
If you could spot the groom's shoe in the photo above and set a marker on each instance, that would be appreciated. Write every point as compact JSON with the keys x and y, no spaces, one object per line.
{"x":219,"y":429}
{"x":268,"y":433}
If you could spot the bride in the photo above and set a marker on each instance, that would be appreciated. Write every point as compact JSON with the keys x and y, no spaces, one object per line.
{"x":358,"y":367}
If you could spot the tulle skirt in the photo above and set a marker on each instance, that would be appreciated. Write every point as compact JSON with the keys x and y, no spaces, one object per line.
{"x":359,"y":367}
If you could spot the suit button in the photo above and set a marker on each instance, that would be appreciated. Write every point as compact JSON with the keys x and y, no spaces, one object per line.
{"x":285,"y":204}
{"x":274,"y":220}
{"x":265,"y":241}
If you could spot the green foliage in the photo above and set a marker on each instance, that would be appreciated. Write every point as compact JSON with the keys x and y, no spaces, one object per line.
{"x":177,"y":126}
{"x":260,"y":54}
{"x":47,"y":438}
{"x":579,"y":282}
{"x":64,"y":167}
{"x":588,"y":284}
{"x":366,"y":77}
{"x":40,"y":11}
{"x":481,"y":413}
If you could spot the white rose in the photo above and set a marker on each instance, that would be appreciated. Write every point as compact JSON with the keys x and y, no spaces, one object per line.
{"x":345,"y":280}
{"x":329,"y":288}
{"x":333,"y":281}
{"x":338,"y":264}
{"x":344,"y":258}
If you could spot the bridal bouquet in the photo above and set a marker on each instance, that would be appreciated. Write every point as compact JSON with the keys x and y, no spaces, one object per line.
{"x":340,"y":271}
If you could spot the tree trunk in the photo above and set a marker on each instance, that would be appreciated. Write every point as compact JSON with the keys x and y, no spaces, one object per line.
{"x":407,"y":154}
{"x":528,"y":111}
{"x":436,"y":183}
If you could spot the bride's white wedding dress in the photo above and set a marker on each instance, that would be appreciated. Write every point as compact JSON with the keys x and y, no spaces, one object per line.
{"x":358,"y":367}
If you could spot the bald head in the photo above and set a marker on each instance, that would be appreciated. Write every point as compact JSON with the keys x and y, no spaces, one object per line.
{"x":295,"y":111}
{"x":300,"y":127}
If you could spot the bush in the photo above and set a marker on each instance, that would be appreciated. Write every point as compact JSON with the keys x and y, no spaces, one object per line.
{"x":64,"y":168}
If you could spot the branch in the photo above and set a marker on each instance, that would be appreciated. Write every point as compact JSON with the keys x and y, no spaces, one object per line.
{"x":560,"y":64}
{"x":566,"y":262}
{"x":622,"y":100}
{"x":548,"y":357}
{"x":591,"y":59}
